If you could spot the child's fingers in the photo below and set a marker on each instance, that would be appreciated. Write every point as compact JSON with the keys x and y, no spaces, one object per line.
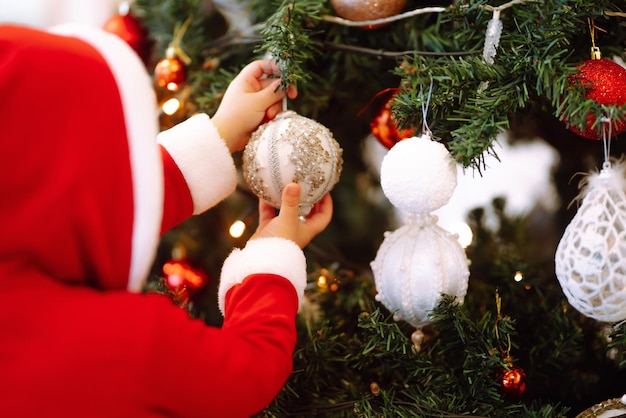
{"x":321,"y":215}
{"x":272,"y":111}
{"x":258,"y":69}
{"x":292,"y":93}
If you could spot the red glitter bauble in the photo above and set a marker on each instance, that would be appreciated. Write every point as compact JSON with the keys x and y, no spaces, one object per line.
{"x":385,"y":130}
{"x":181,"y":278}
{"x":606,"y":84}
{"x":130,"y":29}
{"x":513,"y":382}
{"x":170,"y":73}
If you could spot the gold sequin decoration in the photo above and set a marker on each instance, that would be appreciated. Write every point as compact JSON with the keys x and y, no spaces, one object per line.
{"x":315,"y":158}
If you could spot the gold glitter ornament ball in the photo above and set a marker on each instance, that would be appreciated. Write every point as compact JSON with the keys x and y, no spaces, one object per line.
{"x":359,"y":10}
{"x":292,"y":148}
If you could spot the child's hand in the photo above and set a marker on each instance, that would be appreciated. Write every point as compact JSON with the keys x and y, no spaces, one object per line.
{"x":287,"y":225}
{"x":251,"y":99}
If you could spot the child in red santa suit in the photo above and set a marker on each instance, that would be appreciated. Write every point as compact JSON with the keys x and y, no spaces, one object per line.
{"x":86,"y":190}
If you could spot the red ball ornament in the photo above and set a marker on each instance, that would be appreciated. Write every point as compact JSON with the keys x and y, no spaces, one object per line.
{"x":130,"y":29}
{"x":385,"y":130}
{"x":358,"y":10}
{"x":170,"y":72}
{"x":181,"y":278}
{"x":513,"y":382}
{"x":606,"y":83}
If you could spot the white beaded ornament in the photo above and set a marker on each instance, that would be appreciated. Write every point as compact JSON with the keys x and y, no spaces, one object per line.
{"x":590,"y":260}
{"x":414,"y":265}
{"x":292,"y":148}
{"x":419,"y":261}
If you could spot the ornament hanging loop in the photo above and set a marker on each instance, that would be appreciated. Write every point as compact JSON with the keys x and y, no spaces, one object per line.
{"x":425,"y":105}
{"x":498,"y":312}
{"x":174,"y":49}
{"x":606,"y":141}
{"x":595,"y":51}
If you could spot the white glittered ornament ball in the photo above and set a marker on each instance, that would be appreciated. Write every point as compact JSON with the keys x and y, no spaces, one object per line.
{"x":414,"y":265}
{"x":590,"y":260}
{"x":418,"y":175}
{"x":292,"y":148}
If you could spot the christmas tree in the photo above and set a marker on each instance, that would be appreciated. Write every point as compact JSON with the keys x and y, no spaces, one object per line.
{"x":472,"y":74}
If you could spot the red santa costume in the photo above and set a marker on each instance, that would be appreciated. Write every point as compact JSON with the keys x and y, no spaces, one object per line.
{"x":85,"y":192}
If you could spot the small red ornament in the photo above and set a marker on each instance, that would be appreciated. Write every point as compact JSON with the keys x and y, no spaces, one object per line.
{"x":181,"y":278}
{"x":385,"y":130}
{"x":606,"y":83}
{"x":358,"y":10}
{"x":513,"y":382}
{"x":130,"y":29}
{"x":170,"y":72}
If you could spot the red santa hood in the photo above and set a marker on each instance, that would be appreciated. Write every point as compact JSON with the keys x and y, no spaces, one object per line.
{"x":82,"y":188}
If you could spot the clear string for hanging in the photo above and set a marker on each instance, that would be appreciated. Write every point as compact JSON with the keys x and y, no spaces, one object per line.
{"x":425,"y":129}
{"x":607,"y":128}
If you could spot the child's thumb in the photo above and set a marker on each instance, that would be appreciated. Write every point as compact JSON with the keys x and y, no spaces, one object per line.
{"x":290,"y":200}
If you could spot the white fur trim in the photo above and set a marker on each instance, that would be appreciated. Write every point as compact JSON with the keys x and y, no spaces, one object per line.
{"x":264,"y":255}
{"x":204,"y":159}
{"x":141,"y":119}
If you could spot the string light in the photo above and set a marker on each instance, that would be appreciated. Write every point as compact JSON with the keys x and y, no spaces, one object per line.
{"x":464,"y":233}
{"x":518,"y":276}
{"x":170,"y":106}
{"x":466,"y":236}
{"x":237,"y":229}
{"x":322,"y":281}
{"x":239,"y":226}
{"x":326,"y":281}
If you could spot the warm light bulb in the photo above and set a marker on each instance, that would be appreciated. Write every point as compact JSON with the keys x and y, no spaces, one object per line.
{"x":171,"y":106}
{"x":463,"y":231}
{"x":519,"y":276}
{"x":237,"y":229}
{"x":322,"y":282}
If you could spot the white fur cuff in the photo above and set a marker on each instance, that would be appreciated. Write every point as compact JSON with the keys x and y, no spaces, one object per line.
{"x":264,"y":255}
{"x":203,"y":158}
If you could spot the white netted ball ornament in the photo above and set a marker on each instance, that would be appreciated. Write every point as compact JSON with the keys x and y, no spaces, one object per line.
{"x":292,"y":148}
{"x":418,"y":175}
{"x":590,"y":260}
{"x":419,"y":261}
{"x":414,"y":265}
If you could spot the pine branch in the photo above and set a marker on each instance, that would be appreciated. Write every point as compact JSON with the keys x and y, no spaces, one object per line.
{"x":382,"y":375}
{"x":288,"y":38}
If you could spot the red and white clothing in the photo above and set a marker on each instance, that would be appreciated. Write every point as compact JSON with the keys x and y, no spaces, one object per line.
{"x":86,"y":191}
